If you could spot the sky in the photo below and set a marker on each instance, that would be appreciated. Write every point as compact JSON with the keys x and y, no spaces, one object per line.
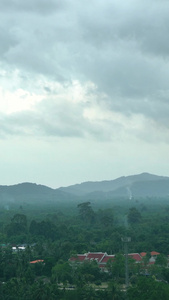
{"x":84,"y":90}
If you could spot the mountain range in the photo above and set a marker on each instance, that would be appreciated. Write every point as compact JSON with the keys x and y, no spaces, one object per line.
{"x":141,"y":185}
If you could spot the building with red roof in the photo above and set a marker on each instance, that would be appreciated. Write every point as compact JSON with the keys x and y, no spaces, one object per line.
{"x":78,"y":258}
{"x":154,"y":253}
{"x":153,"y":256}
{"x":101,"y":258}
{"x":36,"y":261}
{"x":136,"y":256}
{"x":90,"y":256}
{"x":143,"y":254}
{"x":103,"y":262}
{"x":97,"y":256}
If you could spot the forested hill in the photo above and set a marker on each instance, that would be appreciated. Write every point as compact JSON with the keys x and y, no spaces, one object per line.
{"x":32,"y":193}
{"x":141,"y":185}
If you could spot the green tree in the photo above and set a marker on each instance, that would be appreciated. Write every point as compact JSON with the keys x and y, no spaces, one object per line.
{"x":106,"y":217}
{"x":86,"y":272}
{"x":19,"y":219}
{"x":115,"y":292}
{"x":86,"y":212}
{"x":116,"y":267}
{"x":148,"y":289}
{"x":134,"y":216}
{"x":161,"y":260}
{"x":61,"y":272}
{"x":17,"y":226}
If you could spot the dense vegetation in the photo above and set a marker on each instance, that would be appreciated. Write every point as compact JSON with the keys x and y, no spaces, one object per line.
{"x":54,"y":232}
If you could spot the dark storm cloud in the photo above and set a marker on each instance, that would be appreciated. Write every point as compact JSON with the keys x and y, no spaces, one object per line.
{"x":121,"y":47}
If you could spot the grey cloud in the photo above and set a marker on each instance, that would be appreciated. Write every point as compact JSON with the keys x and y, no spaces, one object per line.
{"x":38,"y":6}
{"x":144,"y":22}
{"x":57,"y":119}
{"x":52,"y":120}
{"x":67,"y":120}
{"x":122,"y":48}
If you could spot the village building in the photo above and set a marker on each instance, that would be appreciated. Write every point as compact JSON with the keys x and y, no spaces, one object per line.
{"x":102,"y":258}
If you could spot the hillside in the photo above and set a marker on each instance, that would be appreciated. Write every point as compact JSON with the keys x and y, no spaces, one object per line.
{"x":140,"y":185}
{"x":31,"y":193}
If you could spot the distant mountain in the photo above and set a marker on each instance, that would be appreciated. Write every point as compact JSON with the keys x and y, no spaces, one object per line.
{"x":25,"y":188}
{"x":140,"y":185}
{"x":31,"y":193}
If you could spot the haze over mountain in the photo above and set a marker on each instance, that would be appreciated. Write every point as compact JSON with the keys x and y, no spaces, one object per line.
{"x":31,"y":193}
{"x":141,"y":185}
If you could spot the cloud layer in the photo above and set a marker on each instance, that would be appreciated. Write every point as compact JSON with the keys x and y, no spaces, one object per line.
{"x":85,"y":72}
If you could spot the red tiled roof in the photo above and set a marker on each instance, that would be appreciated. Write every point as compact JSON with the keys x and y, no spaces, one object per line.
{"x":81,"y":257}
{"x":102,"y":258}
{"x":95,"y":256}
{"x":98,"y":256}
{"x":36,"y":261}
{"x":135,"y":256}
{"x":154,"y":253}
{"x":106,"y":258}
{"x":143,"y":254}
{"x":78,"y":257}
{"x":101,"y":266}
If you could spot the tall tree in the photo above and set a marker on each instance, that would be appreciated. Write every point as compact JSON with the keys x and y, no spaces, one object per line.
{"x":134,"y":216}
{"x":86,"y":212}
{"x":116,"y":267}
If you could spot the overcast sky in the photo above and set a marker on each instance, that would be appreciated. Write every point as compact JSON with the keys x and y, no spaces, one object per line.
{"x":84,"y":90}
